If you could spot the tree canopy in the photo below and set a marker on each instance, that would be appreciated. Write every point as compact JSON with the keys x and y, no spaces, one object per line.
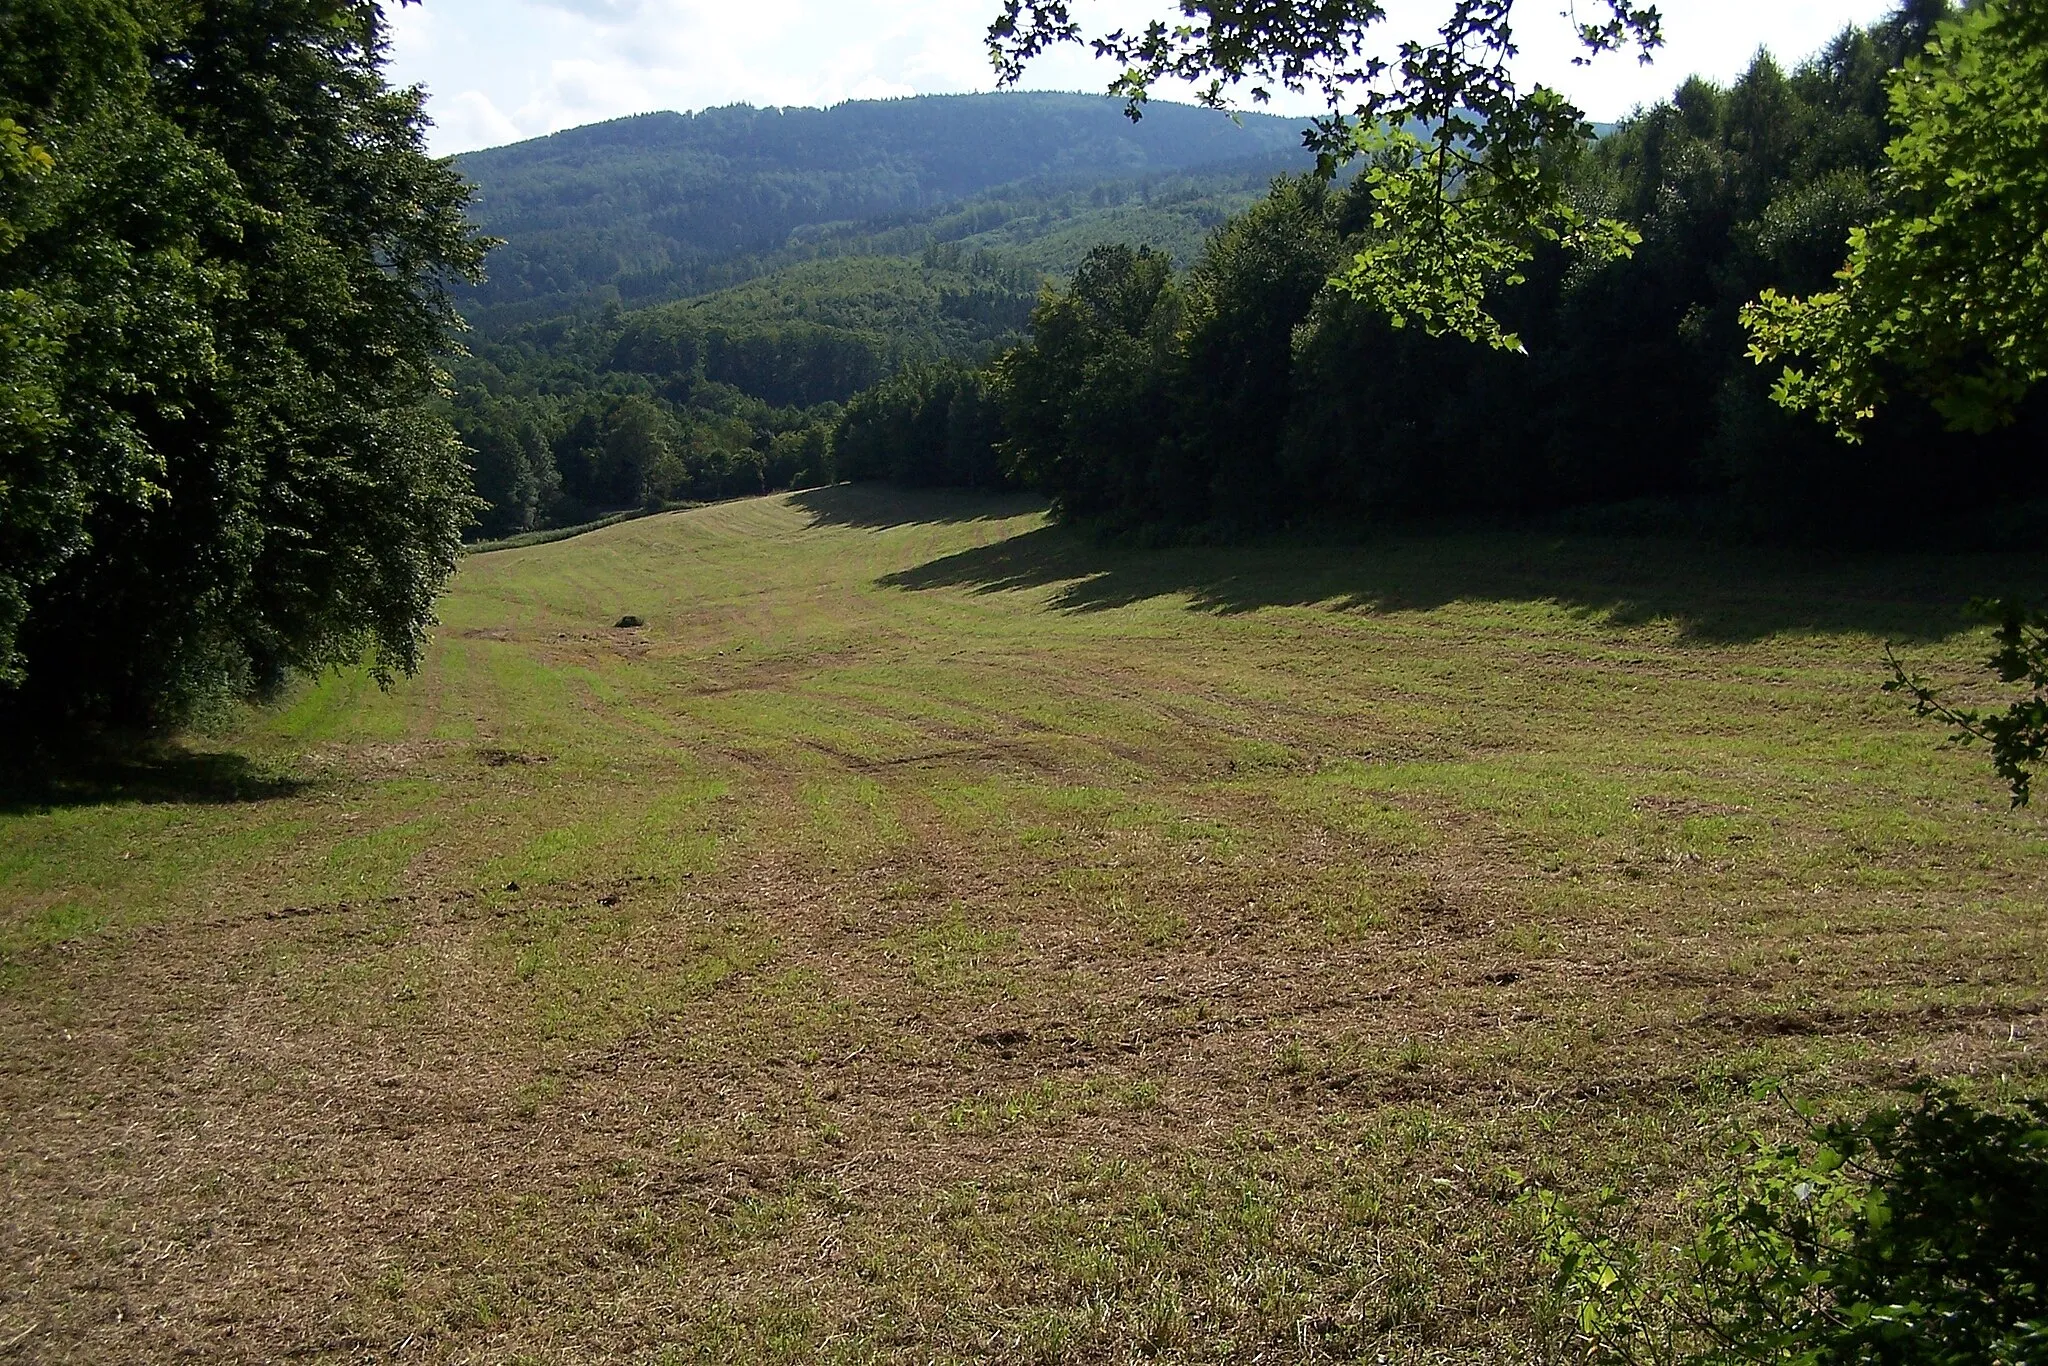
{"x":1946,"y":291}
{"x":224,"y":259}
{"x":1467,"y":169}
{"x":1270,"y":397}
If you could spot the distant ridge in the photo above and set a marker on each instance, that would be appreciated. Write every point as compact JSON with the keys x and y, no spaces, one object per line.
{"x":662,"y":206}
{"x":1174,"y":135}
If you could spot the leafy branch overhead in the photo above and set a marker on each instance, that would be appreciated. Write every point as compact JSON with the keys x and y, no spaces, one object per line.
{"x":1946,"y":293}
{"x":2018,"y":735}
{"x":1468,"y":170}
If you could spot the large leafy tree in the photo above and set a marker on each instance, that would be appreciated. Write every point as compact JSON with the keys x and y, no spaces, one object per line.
{"x":1086,"y":404}
{"x":224,"y":255}
{"x":1468,"y":170}
{"x":1946,"y":290}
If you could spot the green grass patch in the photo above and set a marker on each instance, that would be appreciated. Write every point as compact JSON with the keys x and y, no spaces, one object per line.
{"x":938,"y":936}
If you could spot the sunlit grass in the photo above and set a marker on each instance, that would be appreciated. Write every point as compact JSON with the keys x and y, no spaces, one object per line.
{"x":938,"y":937}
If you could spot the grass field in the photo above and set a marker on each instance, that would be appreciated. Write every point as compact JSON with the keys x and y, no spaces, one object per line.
{"x":933,"y":938}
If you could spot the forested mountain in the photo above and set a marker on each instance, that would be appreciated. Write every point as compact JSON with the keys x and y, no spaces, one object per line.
{"x":662,"y":206}
{"x":684,"y":303}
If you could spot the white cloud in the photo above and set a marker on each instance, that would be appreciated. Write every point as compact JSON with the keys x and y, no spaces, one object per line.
{"x":582,"y":90}
{"x":875,"y":88}
{"x":471,"y":120}
{"x":498,"y":70}
{"x":414,"y":31}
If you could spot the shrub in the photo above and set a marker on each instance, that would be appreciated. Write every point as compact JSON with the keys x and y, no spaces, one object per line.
{"x":1914,"y":1236}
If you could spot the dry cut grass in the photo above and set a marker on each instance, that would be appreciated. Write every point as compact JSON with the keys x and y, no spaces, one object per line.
{"x":934,"y":938}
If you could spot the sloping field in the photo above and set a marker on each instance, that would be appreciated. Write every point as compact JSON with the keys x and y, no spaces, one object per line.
{"x":931,"y":939}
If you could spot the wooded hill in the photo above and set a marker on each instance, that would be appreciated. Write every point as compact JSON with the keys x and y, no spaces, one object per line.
{"x":735,"y":392}
{"x":683,"y":303}
{"x":1193,"y":369}
{"x":1242,"y":392}
{"x":661,"y":206}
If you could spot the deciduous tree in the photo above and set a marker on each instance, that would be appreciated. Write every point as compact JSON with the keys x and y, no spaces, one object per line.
{"x":1468,"y":169}
{"x":222,"y":303}
{"x":1946,"y":290}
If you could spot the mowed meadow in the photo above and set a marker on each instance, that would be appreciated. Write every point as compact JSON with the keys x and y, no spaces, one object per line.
{"x":935,"y":937}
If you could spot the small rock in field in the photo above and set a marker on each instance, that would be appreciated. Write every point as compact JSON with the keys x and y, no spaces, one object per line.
{"x":627,"y":623}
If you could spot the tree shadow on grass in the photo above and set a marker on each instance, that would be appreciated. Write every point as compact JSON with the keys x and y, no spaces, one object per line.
{"x":877,"y":506}
{"x":1714,"y":593}
{"x":148,"y":775}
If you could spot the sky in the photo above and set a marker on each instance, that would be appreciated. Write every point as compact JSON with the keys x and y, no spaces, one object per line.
{"x":499,"y":71}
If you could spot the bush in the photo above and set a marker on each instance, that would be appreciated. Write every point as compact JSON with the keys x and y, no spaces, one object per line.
{"x":1913,"y":1236}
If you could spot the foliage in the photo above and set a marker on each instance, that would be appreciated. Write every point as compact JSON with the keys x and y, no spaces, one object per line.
{"x":1635,"y":388}
{"x":1145,"y":398}
{"x":2017,"y":736}
{"x":926,"y":425}
{"x":219,"y":465}
{"x":1908,"y":1236}
{"x":665,"y":206}
{"x":1460,"y":204}
{"x":736,"y":392}
{"x":1443,"y":233}
{"x":37,"y":523}
{"x":512,"y":465}
{"x":823,"y":331}
{"x":1947,"y":290}
{"x":1247,"y":292}
{"x":1086,"y":403}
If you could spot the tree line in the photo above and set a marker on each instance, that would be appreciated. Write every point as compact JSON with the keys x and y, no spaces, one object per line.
{"x":1248,"y":392}
{"x":737,"y":393}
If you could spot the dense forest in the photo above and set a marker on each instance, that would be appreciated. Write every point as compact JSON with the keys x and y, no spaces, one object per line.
{"x":1244,"y":393}
{"x":1203,"y":374}
{"x":662,"y":206}
{"x":734,"y":393}
{"x":574,"y":405}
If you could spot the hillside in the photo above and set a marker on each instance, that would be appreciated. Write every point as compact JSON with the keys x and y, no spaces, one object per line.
{"x":665,"y":205}
{"x":935,"y":937}
{"x":822,"y":331}
{"x":684,"y":302}
{"x":730,"y":392}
